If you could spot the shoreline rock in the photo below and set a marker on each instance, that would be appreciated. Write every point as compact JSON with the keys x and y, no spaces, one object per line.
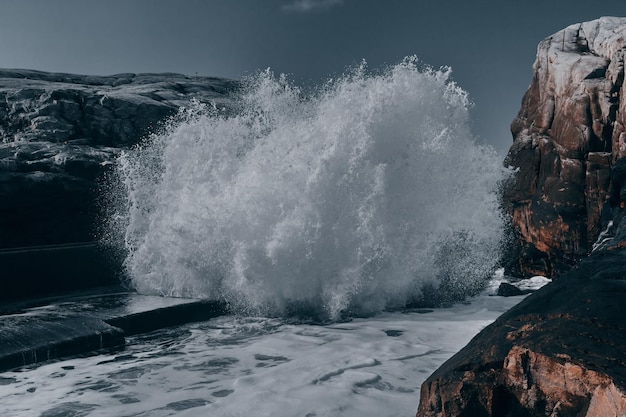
{"x":570,"y":130}
{"x":561,"y":351}
{"x":60,"y":133}
{"x":59,"y":136}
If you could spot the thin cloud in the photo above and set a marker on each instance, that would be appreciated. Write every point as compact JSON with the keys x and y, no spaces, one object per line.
{"x":306,"y":6}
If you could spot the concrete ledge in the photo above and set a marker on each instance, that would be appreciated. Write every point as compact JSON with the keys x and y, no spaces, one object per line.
{"x":40,"y":341}
{"x":176,"y":315}
{"x":90,"y":324}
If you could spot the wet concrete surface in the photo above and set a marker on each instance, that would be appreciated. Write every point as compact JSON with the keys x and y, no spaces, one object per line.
{"x":39,"y":330}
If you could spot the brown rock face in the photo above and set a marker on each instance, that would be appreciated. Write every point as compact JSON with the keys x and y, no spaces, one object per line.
{"x":569,"y":131}
{"x":558,"y":353}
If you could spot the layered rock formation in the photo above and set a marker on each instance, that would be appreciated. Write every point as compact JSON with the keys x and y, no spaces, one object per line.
{"x":570,"y":129}
{"x":560,"y":352}
{"x":59,"y":134}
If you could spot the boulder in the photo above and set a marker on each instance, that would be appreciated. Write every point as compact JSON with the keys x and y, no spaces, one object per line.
{"x":560,"y":352}
{"x":509,"y":290}
{"x":569,"y":131}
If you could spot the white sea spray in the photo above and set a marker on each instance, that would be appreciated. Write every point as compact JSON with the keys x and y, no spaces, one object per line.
{"x":347,"y":201}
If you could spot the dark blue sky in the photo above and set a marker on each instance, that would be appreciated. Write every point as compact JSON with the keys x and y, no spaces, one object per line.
{"x":489,"y":44}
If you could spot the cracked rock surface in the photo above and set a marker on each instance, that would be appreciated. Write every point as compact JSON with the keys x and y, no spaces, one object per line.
{"x":570,"y":130}
{"x":561,"y":351}
{"x":59,"y":134}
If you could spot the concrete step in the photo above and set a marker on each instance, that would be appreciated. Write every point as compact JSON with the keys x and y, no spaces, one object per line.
{"x":37,"y":331}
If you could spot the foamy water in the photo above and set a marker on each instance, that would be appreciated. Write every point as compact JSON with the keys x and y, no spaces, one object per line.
{"x":238,"y":366}
{"x":344,"y":202}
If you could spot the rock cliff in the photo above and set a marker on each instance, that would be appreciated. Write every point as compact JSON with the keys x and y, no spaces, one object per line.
{"x":560,"y":352}
{"x":59,"y":134}
{"x":569,"y":131}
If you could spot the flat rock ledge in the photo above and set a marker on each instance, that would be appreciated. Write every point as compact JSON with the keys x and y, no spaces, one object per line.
{"x":51,"y":329}
{"x":559,"y":353}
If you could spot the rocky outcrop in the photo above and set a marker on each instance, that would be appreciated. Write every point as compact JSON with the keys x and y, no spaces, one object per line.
{"x":558,"y":353}
{"x":59,"y":135}
{"x":104,"y":111}
{"x":60,"y":132}
{"x":569,"y":131}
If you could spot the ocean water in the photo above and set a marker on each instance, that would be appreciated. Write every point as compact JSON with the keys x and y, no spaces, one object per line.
{"x":242,"y":365}
{"x":366,"y":194}
{"x":322,"y":218}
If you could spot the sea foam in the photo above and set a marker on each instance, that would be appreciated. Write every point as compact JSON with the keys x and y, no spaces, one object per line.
{"x":349,"y":200}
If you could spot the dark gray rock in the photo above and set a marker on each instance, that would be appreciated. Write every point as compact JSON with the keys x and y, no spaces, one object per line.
{"x":59,"y":137}
{"x":59,"y":134}
{"x":105,"y":111}
{"x":54,"y":269}
{"x":509,"y":290}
